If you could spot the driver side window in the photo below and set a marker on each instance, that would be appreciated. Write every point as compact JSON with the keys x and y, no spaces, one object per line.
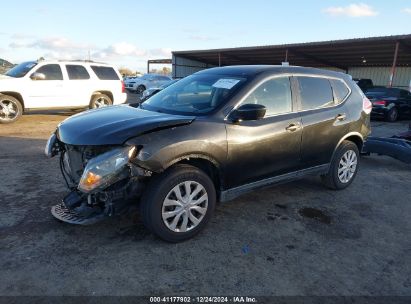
{"x":274,"y":94}
{"x":51,"y":71}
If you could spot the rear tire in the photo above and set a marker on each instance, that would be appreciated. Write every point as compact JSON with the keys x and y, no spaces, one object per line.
{"x":343,"y":167}
{"x":392,"y":115}
{"x":178,"y":204}
{"x":100,"y":101}
{"x":11,"y":109}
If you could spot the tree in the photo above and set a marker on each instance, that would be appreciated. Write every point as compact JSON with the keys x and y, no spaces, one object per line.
{"x":166,"y":71}
{"x":125,"y":71}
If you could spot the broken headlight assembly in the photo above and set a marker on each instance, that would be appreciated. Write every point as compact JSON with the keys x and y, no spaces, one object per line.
{"x":104,"y":170}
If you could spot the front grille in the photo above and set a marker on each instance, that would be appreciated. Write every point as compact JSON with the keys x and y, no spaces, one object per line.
{"x":75,"y":158}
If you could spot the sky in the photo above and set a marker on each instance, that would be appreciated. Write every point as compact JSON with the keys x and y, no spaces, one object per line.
{"x":127,"y":33}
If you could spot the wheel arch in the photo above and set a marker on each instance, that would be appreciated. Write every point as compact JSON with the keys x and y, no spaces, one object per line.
{"x":354,"y":137}
{"x":105,"y":92}
{"x":206,"y":164}
{"x":15,"y":95}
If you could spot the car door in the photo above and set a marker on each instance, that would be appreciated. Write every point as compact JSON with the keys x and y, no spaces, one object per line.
{"x":270,"y":146}
{"x":48,"y":92}
{"x":324,"y":118}
{"x":78,"y":86}
{"x":152,"y":82}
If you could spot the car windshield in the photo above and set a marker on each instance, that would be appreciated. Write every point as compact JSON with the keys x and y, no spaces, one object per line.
{"x":195,"y":95}
{"x":167,"y":84}
{"x":22,"y":69}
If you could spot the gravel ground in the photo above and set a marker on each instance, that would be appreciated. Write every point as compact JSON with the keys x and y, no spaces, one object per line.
{"x":293,"y":239}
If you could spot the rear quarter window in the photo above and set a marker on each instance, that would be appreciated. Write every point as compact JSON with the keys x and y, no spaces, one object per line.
{"x":340,"y":89}
{"x":105,"y":73}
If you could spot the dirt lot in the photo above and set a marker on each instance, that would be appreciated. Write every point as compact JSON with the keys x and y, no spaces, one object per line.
{"x":259,"y":244}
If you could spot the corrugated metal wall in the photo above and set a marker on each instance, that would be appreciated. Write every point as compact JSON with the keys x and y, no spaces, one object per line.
{"x":381,"y":75}
{"x":183,"y":67}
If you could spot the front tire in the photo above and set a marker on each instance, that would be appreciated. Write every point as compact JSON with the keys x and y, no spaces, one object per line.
{"x":178,"y":204}
{"x":100,"y":101}
{"x":343,"y":167}
{"x":10,"y":109}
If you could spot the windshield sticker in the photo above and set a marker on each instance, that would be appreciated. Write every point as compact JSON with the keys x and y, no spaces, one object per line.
{"x":226,"y":83}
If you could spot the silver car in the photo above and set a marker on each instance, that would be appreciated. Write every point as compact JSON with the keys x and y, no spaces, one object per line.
{"x":147,"y":81}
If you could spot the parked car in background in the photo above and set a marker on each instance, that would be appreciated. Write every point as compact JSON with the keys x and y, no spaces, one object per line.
{"x":364,"y":84}
{"x":147,"y":81}
{"x":58,"y":84}
{"x":389,"y":103}
{"x":150,"y":92}
{"x":210,"y":137}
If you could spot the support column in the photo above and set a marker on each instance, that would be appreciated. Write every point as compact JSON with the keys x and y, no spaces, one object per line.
{"x":219,"y":59}
{"x":148,"y":67}
{"x":394,"y":64}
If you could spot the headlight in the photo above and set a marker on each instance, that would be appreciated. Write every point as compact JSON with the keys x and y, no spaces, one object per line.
{"x":103,"y":170}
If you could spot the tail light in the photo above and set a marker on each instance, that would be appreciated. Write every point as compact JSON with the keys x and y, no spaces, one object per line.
{"x":366,"y":105}
{"x":380,"y":102}
{"x":123,"y":87}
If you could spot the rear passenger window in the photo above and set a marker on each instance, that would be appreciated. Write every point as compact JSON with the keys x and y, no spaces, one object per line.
{"x":340,"y":90}
{"x":76,"y":72}
{"x":105,"y":73}
{"x":274,"y":94}
{"x":315,"y":92}
{"x":51,"y":71}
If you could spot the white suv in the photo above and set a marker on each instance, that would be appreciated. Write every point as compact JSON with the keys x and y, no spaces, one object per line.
{"x":58,"y":84}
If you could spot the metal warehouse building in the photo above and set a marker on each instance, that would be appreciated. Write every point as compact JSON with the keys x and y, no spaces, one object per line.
{"x":385,"y":60}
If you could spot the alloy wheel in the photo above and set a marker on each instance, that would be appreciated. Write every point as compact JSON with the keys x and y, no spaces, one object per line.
{"x":101,"y":102}
{"x":140,"y":90}
{"x":8,"y":110}
{"x":347,"y":166}
{"x":185,"y":206}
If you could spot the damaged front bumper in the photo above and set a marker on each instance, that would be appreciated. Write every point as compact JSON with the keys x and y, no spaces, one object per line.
{"x":103,"y":181}
{"x":86,"y":209}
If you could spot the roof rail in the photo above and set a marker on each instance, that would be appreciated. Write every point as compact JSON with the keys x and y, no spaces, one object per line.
{"x":82,"y":60}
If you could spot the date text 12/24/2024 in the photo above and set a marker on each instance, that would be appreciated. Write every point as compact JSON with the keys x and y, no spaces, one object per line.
{"x":234,"y":299}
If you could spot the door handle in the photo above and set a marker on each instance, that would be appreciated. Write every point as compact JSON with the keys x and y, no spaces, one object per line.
{"x":341,"y":117}
{"x":293,"y":127}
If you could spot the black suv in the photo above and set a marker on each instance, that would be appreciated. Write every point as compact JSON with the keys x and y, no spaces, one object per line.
{"x":364,"y":84}
{"x":209,"y":137}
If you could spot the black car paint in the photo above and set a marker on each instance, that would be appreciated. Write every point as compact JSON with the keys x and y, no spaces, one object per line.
{"x":242,"y":153}
{"x":393,"y":99}
{"x":114,"y":125}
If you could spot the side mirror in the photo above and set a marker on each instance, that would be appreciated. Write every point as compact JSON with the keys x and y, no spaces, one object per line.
{"x":249,"y":111}
{"x":38,"y":76}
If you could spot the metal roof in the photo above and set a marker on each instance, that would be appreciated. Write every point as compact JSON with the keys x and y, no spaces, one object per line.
{"x":372,"y":51}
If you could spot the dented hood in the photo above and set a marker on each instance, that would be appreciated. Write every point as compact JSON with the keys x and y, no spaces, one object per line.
{"x":114,"y":125}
